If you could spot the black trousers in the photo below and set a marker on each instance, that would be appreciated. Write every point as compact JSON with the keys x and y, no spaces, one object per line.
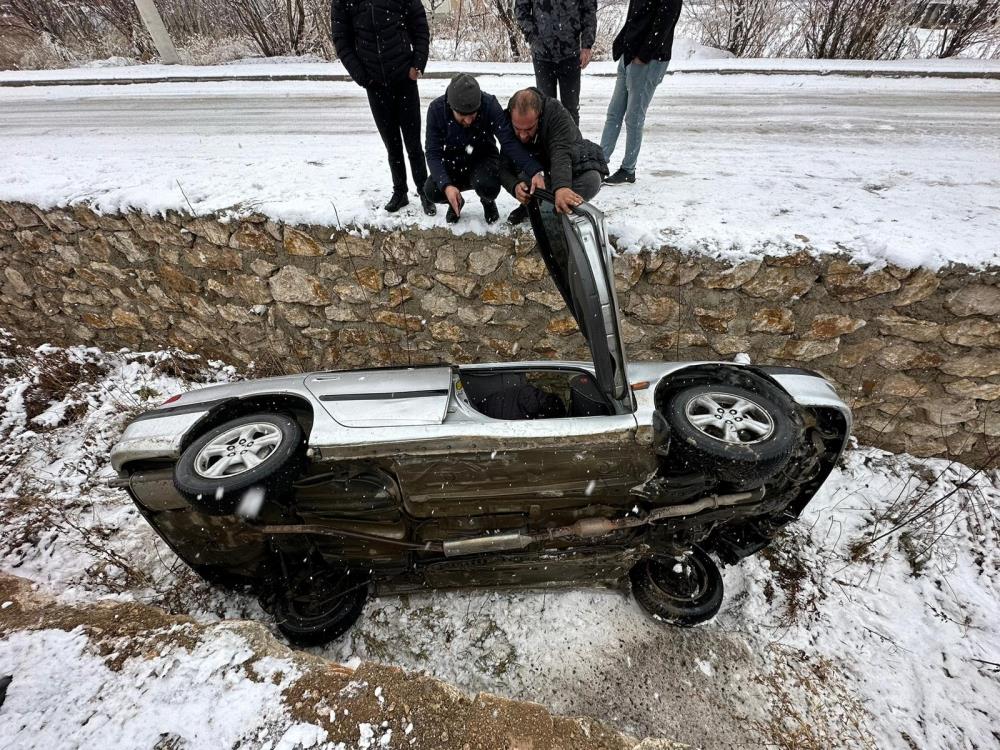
{"x":567,"y":74}
{"x":396,"y":109}
{"x":483,"y":176}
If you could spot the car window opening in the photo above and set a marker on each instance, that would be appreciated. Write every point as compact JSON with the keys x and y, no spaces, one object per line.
{"x":534,"y":394}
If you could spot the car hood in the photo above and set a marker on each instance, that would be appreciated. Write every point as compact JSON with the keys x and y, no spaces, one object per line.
{"x":577,"y":254}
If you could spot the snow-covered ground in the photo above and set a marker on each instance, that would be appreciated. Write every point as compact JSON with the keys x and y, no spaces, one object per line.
{"x":874,"y":623}
{"x":896,"y":170}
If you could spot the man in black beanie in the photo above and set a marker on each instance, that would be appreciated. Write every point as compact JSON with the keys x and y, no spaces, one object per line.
{"x":463,"y":127}
{"x":383,"y":44}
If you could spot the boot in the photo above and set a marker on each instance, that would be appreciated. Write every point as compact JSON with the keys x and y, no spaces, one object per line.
{"x":620,"y":177}
{"x":518,"y":215}
{"x":397,"y":201}
{"x":428,"y":205}
{"x":490,"y":211}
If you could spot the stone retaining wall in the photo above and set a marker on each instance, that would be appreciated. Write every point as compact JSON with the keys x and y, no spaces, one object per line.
{"x":915,"y":353}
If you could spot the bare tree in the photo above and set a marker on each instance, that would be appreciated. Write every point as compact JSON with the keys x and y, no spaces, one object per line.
{"x":276,"y":26}
{"x":854,"y":29}
{"x":747,"y":28}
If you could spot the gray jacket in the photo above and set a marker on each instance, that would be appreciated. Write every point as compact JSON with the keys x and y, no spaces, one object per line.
{"x":557,"y":29}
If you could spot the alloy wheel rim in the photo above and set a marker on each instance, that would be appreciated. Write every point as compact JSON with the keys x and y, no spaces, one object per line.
{"x":238,"y":450}
{"x":731,"y":419}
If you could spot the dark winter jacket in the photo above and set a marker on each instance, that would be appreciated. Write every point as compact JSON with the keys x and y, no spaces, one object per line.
{"x":380,"y":40}
{"x":648,"y":32}
{"x":558,"y":147}
{"x":557,"y":29}
{"x":453,"y":148}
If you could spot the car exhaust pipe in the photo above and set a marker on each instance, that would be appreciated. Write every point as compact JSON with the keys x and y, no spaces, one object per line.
{"x":589,"y":528}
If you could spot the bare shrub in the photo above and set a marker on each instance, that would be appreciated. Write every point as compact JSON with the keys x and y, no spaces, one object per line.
{"x":747,"y":28}
{"x":486,"y":32}
{"x":854,"y":29}
{"x":958,"y":26}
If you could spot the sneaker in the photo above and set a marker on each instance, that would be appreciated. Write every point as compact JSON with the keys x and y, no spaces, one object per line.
{"x":428,"y":205}
{"x":620,"y":177}
{"x":518,"y":215}
{"x":397,"y":201}
{"x":491,"y":212}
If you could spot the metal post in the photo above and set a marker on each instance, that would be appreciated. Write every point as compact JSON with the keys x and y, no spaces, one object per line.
{"x":154,"y":24}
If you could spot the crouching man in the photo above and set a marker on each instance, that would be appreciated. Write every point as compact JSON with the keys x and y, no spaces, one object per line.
{"x":574,"y":166}
{"x":463,"y":127}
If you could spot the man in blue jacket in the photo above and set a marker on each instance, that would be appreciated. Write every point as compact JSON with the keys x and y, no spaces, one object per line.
{"x":463,"y":127}
{"x":642,"y":48}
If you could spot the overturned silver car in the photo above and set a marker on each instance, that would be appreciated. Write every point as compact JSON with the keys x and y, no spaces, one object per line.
{"x":323,"y":489}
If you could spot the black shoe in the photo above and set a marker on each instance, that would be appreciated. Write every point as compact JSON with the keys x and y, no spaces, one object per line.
{"x":491,"y":212}
{"x":620,"y":177}
{"x":429,"y":208}
{"x":518,"y":215}
{"x":397,"y":201}
{"x":451,"y":217}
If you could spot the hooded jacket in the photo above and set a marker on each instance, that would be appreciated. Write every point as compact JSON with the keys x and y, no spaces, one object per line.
{"x":378,"y":41}
{"x":648,"y":32}
{"x":557,"y":29}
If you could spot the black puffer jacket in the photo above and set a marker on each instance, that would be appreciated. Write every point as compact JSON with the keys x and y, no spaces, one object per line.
{"x":380,"y":40}
{"x":648,"y":32}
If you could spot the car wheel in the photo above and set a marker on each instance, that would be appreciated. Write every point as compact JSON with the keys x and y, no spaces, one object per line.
{"x":741,"y":436}
{"x":316,"y":606}
{"x":256,"y":450}
{"x":684,"y":591}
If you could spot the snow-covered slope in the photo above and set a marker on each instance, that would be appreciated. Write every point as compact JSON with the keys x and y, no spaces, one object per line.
{"x":873,"y":623}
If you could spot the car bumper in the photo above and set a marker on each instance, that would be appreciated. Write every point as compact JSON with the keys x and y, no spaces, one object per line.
{"x":154,"y":438}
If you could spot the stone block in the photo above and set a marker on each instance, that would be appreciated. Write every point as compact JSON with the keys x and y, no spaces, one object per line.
{"x":529,"y":268}
{"x":846,"y":282}
{"x":210,"y":229}
{"x":772,"y":320}
{"x":912,"y":329}
{"x":973,"y":332}
{"x":779,"y":285}
{"x":919,"y":286}
{"x":204,"y":254}
{"x":981,"y":364}
{"x":730,"y":278}
{"x":487,"y":260}
{"x":292,"y":284}
{"x":975,"y":299}
{"x":300,"y":243}
{"x":650,"y":308}
{"x":501,"y":293}
{"x":252,"y":238}
{"x":966,"y":388}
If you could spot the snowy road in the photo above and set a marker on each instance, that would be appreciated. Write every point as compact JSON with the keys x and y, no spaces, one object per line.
{"x":901,"y":170}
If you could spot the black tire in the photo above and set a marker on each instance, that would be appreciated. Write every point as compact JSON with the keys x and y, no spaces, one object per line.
{"x":278,"y":464}
{"x":743,"y":457}
{"x":681,"y":591}
{"x":318,"y":605}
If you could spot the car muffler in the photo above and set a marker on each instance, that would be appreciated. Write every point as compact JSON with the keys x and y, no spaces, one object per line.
{"x":589,"y":528}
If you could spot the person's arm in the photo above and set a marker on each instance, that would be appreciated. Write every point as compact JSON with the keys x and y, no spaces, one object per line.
{"x":559,"y":143}
{"x":509,"y":176}
{"x":662,"y":25}
{"x":509,"y":145}
{"x":342,"y":31}
{"x":523,"y":12}
{"x":588,"y":23}
{"x":434,"y":145}
{"x":420,"y":35}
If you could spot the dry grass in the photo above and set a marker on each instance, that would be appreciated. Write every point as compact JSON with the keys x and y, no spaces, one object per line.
{"x":812,"y":705}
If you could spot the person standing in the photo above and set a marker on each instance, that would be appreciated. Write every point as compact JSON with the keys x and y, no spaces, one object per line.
{"x":561,"y":33}
{"x":463,"y":126}
{"x":383,"y":44}
{"x":643,"y":50}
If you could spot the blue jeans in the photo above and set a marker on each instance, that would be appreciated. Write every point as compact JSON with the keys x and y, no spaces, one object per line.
{"x":633,"y":92}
